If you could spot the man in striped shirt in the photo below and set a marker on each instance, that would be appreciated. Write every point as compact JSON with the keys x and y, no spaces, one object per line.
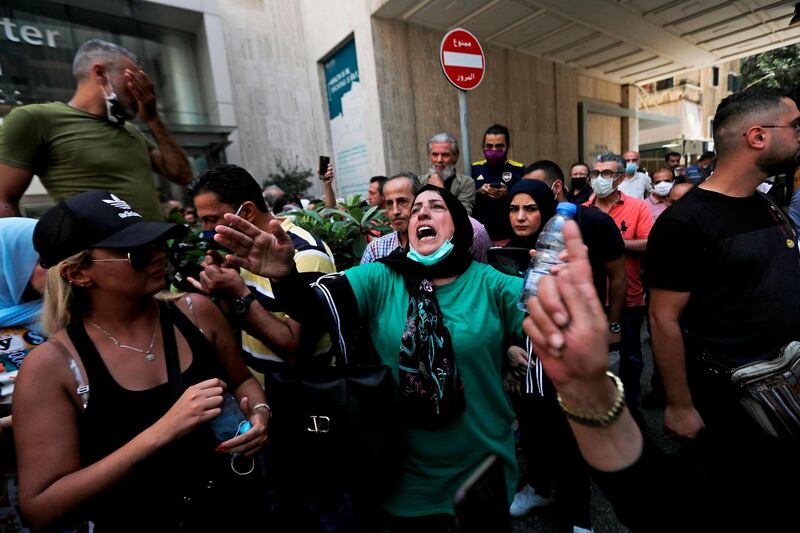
{"x":269,"y":336}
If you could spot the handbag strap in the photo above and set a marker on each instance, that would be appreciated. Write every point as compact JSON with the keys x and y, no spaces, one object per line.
{"x":81,"y":389}
{"x":779,"y":217}
{"x":174,"y":378}
{"x":338,"y":344}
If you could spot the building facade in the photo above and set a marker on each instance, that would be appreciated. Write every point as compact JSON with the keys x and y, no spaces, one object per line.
{"x":263,"y":82}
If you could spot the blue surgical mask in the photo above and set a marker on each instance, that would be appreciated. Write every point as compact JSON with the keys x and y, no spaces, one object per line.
{"x":631,"y":168}
{"x":430,"y":260}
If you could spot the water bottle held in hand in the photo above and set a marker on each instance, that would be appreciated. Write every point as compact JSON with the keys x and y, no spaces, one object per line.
{"x":231,"y":421}
{"x":548,"y":246}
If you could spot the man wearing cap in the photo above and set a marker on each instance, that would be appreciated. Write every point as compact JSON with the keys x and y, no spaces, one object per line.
{"x":89,"y":143}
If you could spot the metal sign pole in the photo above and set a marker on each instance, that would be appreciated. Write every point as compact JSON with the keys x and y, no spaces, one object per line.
{"x":464,"y":115}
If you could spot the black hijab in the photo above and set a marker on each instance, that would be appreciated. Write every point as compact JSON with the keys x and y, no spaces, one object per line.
{"x":545,"y":201}
{"x":454,"y":264}
{"x":431,"y":390}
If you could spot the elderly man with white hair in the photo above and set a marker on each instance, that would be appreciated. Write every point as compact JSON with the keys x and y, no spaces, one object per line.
{"x":443,"y":151}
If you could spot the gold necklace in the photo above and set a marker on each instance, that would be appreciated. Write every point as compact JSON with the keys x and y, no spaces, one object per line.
{"x":148,"y":353}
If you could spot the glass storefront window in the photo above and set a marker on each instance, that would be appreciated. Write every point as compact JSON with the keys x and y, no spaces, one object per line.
{"x":38,"y":40}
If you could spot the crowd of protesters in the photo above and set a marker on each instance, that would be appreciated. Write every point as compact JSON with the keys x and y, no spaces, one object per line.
{"x":137,"y":405}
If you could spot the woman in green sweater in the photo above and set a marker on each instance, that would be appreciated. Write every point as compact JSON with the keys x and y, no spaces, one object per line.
{"x":441,"y":321}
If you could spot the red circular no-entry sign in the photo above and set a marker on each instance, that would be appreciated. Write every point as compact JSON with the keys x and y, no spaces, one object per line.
{"x":462,"y":59}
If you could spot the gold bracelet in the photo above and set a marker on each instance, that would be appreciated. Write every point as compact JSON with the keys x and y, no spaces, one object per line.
{"x":600,"y":421}
{"x":262,"y":405}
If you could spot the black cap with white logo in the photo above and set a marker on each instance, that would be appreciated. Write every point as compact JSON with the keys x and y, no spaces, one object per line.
{"x":94,"y":219}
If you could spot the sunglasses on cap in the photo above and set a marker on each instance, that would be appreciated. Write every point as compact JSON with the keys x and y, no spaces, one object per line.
{"x":138,"y":257}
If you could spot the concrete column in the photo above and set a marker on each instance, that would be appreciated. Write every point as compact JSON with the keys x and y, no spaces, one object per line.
{"x":630,"y":125}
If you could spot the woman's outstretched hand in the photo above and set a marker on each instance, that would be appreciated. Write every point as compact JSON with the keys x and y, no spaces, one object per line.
{"x":568,"y":328}
{"x":269,"y":255}
{"x":567,"y":324}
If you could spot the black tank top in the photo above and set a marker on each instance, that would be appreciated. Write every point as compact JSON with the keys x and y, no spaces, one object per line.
{"x":165,"y":491}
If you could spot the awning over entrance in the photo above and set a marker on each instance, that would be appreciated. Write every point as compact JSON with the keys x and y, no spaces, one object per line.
{"x":624,"y":41}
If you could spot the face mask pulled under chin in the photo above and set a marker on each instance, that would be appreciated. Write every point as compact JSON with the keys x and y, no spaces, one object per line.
{"x":603,"y":187}
{"x":431,"y":259}
{"x":115,"y":111}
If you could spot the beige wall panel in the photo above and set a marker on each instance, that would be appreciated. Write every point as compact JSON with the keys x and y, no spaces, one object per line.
{"x":603,"y":134}
{"x":435,"y":100}
{"x":524,"y":120}
{"x":489,"y":103}
{"x":599,"y":90}
{"x":270,"y":84}
{"x":534,"y":98}
{"x":547,"y":145}
{"x":394,"y":75}
{"x":566,"y":94}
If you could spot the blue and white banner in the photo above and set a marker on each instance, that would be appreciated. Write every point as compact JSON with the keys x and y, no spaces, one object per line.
{"x":346,"y":103}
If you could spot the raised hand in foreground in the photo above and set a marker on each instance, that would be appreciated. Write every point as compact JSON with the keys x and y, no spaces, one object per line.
{"x":567,"y":326}
{"x":269,"y":255}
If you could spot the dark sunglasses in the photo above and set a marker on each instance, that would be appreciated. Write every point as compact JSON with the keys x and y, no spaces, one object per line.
{"x":138,"y":257}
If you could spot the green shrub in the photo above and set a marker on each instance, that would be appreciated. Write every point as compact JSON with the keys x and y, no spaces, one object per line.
{"x":344,"y":228}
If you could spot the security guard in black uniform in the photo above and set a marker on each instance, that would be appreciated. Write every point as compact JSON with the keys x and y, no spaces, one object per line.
{"x":494,"y":177}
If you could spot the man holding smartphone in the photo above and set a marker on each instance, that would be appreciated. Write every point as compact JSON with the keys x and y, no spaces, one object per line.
{"x":494,"y":177}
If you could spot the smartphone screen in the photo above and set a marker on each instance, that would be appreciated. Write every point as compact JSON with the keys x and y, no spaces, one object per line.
{"x":495,"y":185}
{"x":324,"y":161}
{"x":481,"y":503}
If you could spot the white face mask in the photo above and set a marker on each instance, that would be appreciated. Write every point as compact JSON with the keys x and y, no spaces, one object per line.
{"x":603,"y":187}
{"x":662,"y":188}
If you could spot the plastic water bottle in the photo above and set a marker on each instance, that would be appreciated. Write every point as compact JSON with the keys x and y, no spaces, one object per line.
{"x":548,"y":246}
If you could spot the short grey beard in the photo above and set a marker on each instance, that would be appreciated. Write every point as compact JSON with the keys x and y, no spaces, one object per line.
{"x":448,"y":172}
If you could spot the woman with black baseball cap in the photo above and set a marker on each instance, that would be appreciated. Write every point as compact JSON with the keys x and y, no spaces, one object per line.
{"x":110,"y":414}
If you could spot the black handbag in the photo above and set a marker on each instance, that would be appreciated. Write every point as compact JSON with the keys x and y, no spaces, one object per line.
{"x":337,"y":423}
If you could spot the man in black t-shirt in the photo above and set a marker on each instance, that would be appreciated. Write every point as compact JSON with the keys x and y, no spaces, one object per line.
{"x":725,"y":275}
